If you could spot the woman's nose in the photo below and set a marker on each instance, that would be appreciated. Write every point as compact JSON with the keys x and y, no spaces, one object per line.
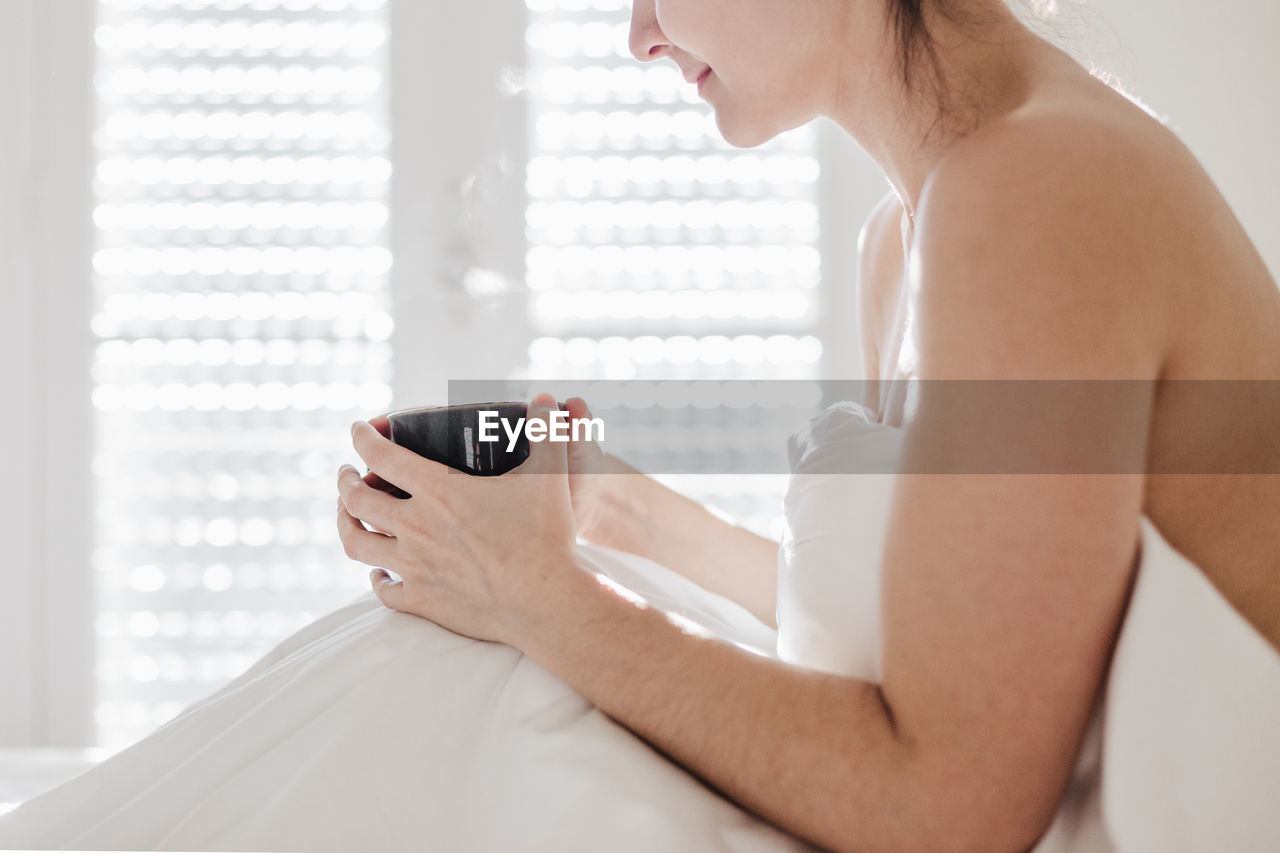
{"x":647,"y":40}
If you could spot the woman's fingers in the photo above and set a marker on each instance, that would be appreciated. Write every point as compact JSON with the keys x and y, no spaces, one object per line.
{"x":376,"y":482}
{"x":577,"y":408}
{"x":381,"y":424}
{"x":362,"y":545}
{"x":547,"y":456}
{"x":578,"y":411}
{"x":394,"y":463}
{"x":366,"y":503}
{"x":389,"y":592}
{"x":374,"y":549}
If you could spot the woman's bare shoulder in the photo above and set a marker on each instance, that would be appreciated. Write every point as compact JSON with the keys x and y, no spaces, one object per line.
{"x":1084,"y":214}
{"x":1085,"y":153}
{"x":1046,"y":236}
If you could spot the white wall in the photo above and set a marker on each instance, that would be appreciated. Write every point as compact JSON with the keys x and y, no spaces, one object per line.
{"x":1211,"y":68}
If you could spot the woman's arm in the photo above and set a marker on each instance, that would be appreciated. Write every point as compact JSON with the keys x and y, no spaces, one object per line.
{"x":1002,"y":592}
{"x":816,"y":754}
{"x":639,"y":515}
{"x":617,"y":506}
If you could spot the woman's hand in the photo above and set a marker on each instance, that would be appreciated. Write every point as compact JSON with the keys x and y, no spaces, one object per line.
{"x":592,"y":475}
{"x":617,"y":506}
{"x":482,"y":556}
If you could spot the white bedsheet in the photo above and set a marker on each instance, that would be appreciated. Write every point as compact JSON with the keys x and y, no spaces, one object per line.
{"x":374,"y":730}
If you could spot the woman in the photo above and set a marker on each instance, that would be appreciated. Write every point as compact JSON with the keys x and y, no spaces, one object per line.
{"x":1041,"y":227}
{"x":1054,"y":231}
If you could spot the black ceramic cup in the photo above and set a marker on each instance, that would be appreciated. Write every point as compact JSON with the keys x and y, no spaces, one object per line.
{"x":450,"y":435}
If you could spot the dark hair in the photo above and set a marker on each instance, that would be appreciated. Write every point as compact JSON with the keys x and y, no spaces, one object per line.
{"x":914,"y":41}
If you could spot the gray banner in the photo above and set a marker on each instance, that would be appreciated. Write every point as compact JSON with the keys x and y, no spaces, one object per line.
{"x":955,"y":426}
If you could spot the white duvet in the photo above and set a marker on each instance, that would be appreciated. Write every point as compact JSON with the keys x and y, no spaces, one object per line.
{"x":374,"y":730}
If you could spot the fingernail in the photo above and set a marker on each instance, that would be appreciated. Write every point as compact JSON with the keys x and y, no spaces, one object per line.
{"x":354,"y":424}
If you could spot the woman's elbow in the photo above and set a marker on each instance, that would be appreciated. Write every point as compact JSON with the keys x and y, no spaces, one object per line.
{"x":972,"y":816}
{"x":955,"y":810}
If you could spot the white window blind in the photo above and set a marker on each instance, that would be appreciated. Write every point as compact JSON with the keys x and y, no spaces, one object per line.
{"x":657,"y":250}
{"x":242,"y":324}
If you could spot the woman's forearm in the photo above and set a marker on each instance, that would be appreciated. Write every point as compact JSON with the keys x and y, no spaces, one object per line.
{"x":813,"y":753}
{"x":642,"y":516}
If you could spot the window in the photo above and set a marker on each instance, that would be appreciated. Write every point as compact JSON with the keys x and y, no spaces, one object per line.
{"x":556,"y":208}
{"x":656,"y":250}
{"x":242,"y":319}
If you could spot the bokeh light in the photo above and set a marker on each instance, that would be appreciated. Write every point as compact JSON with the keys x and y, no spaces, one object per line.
{"x":243,"y":321}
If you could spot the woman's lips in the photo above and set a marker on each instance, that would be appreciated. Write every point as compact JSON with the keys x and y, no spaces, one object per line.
{"x":703,"y":76}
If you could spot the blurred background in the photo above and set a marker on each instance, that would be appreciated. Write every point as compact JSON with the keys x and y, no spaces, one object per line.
{"x":232,"y":227}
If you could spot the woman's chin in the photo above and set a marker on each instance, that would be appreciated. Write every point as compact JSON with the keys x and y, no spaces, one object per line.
{"x":742,"y":134}
{"x":749,"y":134}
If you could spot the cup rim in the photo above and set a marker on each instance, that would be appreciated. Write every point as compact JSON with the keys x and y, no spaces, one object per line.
{"x":418,"y":409}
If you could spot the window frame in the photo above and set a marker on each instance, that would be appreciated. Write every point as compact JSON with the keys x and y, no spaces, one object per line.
{"x":46,"y":507}
{"x":457,"y":193}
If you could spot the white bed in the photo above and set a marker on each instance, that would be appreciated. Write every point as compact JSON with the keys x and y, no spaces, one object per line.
{"x":25,"y":773}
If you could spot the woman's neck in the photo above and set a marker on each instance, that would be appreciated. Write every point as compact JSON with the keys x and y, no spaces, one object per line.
{"x":908,"y":131}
